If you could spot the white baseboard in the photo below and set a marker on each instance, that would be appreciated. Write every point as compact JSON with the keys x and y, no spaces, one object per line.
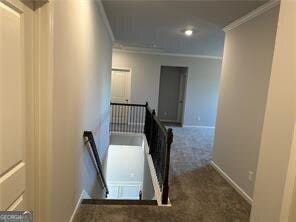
{"x":83,"y":195}
{"x":206,"y":127}
{"x":232,"y":183}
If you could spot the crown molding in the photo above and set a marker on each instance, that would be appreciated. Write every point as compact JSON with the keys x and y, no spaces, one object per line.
{"x":253,"y":14}
{"x":156,"y":52}
{"x":105,"y":20}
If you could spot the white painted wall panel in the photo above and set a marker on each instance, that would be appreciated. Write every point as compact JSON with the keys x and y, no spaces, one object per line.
{"x":12,"y":185}
{"x":12,"y":96}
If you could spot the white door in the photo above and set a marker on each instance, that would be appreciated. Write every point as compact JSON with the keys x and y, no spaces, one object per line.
{"x":13,"y":121}
{"x":120,"y":86}
{"x":120,"y":93}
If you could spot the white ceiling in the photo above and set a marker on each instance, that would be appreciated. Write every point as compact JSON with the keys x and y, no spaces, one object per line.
{"x":159,"y":24}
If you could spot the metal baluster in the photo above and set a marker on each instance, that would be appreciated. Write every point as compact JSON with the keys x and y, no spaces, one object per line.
{"x":126,"y":119}
{"x":144,"y":118}
{"x":132,"y":121}
{"x":136,"y":118}
{"x":113,"y":118}
{"x":140,"y":124}
{"x":128,"y":122}
{"x":110,"y":124}
{"x":139,"y":119}
{"x":122,"y":116}
{"x":142,"y":121}
{"x":116,"y":118}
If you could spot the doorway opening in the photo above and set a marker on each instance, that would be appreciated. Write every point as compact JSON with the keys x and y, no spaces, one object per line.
{"x":172,"y":89}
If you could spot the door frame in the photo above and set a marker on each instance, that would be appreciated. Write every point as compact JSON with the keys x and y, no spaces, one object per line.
{"x":184,"y":95}
{"x":129,"y":71}
{"x":43,"y":97}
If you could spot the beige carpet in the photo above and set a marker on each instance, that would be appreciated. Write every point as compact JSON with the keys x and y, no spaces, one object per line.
{"x":198,"y":193}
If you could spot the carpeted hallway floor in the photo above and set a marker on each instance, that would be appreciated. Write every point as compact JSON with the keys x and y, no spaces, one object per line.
{"x":197,"y":192}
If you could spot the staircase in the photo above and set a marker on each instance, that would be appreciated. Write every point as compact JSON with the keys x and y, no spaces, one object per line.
{"x":137,"y":119}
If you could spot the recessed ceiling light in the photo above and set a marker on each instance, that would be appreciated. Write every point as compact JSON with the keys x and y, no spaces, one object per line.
{"x":188,"y":32}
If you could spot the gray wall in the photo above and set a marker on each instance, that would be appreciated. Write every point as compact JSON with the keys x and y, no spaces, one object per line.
{"x":245,"y":78}
{"x":81,"y":101}
{"x":202,"y":84}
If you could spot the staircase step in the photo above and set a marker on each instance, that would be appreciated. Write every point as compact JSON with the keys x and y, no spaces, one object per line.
{"x":118,"y":202}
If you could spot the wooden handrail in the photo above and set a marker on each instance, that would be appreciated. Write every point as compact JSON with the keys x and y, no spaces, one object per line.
{"x":95,"y":155}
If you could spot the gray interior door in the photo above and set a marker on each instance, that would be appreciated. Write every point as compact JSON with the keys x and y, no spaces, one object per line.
{"x":171,"y":94}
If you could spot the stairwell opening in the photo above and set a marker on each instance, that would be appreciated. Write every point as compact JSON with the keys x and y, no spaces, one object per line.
{"x":136,"y":169}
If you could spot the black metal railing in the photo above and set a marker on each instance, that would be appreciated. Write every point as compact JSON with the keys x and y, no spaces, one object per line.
{"x":89,"y":138}
{"x":139,"y":118}
{"x":159,"y":140}
{"x":127,"y":117}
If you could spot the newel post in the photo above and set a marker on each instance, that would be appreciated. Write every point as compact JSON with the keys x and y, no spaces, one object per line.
{"x":165,"y":190}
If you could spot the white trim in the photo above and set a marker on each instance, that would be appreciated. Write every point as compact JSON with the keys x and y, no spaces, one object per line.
{"x":16,"y":203}
{"x":232,"y":183}
{"x":105,"y":20}
{"x":11,"y":172}
{"x":43,"y":86}
{"x":83,"y":195}
{"x":253,"y":14}
{"x":192,"y":126}
{"x":156,"y":52}
{"x":121,"y":69}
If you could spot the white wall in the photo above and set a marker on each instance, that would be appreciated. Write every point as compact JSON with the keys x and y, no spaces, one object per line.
{"x":148,"y":189}
{"x":82,"y":51}
{"x":243,"y":92}
{"x":125,"y":164}
{"x":202,"y":86}
{"x":279,"y":124}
